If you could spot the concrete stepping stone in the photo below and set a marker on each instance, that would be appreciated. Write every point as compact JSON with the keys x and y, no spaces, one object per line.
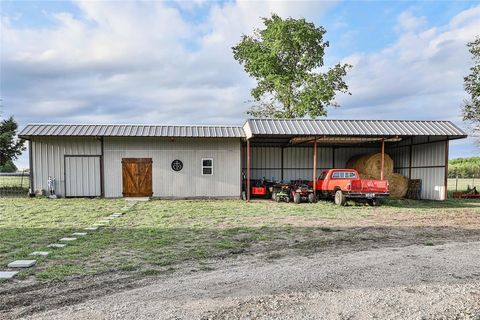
{"x":68,"y":239}
{"x":116,"y":215}
{"x":98,"y":225}
{"x":79,"y":234}
{"x":39,"y":253}
{"x":56,"y":245}
{"x":7,"y":274}
{"x":22,"y":264}
{"x":91,"y":228}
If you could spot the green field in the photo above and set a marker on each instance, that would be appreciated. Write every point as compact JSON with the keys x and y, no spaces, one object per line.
{"x":9,"y":181}
{"x":154,"y":236}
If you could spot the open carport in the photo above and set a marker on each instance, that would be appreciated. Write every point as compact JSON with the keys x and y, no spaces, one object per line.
{"x":285,"y":150}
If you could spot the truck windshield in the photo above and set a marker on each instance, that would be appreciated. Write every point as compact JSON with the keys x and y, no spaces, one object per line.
{"x":344,"y":175}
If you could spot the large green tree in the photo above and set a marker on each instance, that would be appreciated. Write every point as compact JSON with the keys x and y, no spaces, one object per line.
{"x":286,"y":60}
{"x":10,"y":146}
{"x":471,"y":107}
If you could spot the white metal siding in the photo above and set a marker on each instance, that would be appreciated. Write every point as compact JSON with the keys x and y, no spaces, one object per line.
{"x":428,"y":164}
{"x":189,"y":182}
{"x":298,"y":161}
{"x":82,"y":177}
{"x":48,"y":158}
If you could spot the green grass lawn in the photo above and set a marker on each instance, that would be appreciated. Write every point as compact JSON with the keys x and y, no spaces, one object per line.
{"x":154,"y":236}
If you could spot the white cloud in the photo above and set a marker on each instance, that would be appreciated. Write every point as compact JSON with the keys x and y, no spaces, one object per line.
{"x":409,"y":22}
{"x":135,"y":62}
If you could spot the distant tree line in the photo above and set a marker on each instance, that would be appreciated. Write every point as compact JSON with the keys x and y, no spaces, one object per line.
{"x":464,"y":167}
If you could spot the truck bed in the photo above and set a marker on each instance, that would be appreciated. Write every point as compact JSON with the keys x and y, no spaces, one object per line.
{"x":369,"y":186}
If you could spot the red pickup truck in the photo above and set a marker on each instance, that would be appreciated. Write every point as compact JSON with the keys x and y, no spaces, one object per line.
{"x":343,"y":184}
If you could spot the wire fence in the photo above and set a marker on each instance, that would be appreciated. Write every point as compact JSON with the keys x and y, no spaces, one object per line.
{"x":14,"y":184}
{"x":462,"y":184}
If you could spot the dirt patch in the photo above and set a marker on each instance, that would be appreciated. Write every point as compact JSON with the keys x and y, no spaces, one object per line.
{"x":425,"y":282}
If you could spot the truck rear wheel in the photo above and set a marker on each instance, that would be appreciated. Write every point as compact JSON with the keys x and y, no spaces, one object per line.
{"x":296,"y":198}
{"x":340,"y":198}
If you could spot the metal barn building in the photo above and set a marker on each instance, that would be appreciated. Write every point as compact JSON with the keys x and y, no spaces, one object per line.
{"x":208,"y":161}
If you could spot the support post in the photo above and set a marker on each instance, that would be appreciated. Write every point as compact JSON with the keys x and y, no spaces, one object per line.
{"x":281,"y":163}
{"x":410,"y":159}
{"x":383,"y":160}
{"x":445,"y":180}
{"x":315,"y":150}
{"x":248,"y":170}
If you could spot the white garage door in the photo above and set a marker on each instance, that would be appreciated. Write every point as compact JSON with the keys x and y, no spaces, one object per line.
{"x":82,"y":176}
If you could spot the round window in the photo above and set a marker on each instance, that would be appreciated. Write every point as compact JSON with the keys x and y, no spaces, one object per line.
{"x":177,"y":165}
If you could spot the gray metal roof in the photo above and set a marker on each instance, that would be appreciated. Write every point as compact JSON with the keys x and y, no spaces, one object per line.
{"x":306,"y":127}
{"x":123,"y":130}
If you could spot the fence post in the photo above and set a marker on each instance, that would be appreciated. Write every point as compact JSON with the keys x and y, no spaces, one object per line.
{"x":456,"y":183}
{"x":473,"y":182}
{"x":21,"y":180}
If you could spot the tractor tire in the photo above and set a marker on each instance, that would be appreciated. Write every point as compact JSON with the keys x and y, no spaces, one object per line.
{"x":297,"y":198}
{"x":311,"y":198}
{"x":340,"y":199}
{"x":287,"y":199}
{"x":277,"y":198}
{"x":274,"y":195}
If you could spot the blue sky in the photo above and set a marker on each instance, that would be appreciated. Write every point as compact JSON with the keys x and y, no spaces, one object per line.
{"x":171,"y":62}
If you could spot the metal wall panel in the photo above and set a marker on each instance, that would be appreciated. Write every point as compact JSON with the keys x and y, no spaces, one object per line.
{"x":400,"y":156}
{"x":189,"y":182}
{"x":428,"y":164}
{"x":433,"y":187}
{"x":431,"y":154}
{"x":298,"y":161}
{"x":82,"y":176}
{"x":48,"y":158}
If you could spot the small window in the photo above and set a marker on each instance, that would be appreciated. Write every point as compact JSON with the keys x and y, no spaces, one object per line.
{"x":344,"y":175}
{"x":351,"y":175}
{"x":207,"y":166}
{"x":337,"y":175}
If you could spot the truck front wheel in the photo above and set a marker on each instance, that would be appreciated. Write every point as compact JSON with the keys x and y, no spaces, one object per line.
{"x":340,"y":198}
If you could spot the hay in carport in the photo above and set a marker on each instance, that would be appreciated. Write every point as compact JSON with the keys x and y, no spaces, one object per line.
{"x":371,"y":165}
{"x":398,"y":186}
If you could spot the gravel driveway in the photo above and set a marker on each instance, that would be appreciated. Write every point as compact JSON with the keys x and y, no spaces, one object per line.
{"x":409,"y":282}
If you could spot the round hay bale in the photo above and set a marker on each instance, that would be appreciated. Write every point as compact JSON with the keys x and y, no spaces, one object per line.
{"x":398,"y":186}
{"x":371,"y":164}
{"x":365,"y":176}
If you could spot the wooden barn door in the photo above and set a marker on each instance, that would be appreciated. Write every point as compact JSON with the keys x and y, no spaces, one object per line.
{"x":137,"y":177}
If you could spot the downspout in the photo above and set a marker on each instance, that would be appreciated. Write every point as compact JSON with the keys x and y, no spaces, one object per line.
{"x":102,"y":169}
{"x":30,"y":160}
{"x":445,"y":180}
